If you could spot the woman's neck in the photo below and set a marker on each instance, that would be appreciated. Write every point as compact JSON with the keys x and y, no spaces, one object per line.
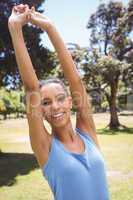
{"x":65,"y":134}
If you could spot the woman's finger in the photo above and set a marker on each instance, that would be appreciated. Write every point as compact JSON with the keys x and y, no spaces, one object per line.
{"x":27,"y":8}
{"x":32,"y":9}
{"x":14,"y":10}
{"x":28,"y":15}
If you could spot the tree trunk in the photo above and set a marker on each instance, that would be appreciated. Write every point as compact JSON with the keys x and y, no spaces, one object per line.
{"x":114,"y":121}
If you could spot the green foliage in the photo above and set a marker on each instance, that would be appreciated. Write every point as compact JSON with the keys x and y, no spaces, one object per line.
{"x":109,"y":69}
{"x":11,"y":102}
{"x":41,"y":56}
{"x":103,"y":25}
{"x":111,"y":34}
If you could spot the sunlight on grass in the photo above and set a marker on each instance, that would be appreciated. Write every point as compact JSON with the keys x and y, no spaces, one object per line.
{"x":21,"y":178}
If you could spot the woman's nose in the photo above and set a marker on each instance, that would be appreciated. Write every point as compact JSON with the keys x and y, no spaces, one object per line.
{"x":55,"y":105}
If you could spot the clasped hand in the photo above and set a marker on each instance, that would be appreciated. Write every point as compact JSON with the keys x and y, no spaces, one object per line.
{"x":22,"y":14}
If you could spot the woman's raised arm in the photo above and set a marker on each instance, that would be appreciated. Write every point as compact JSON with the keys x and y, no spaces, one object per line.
{"x":40,"y":140}
{"x":15,"y":23}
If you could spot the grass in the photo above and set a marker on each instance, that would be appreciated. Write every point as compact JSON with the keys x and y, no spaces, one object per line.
{"x":21,"y":178}
{"x":118,"y":153}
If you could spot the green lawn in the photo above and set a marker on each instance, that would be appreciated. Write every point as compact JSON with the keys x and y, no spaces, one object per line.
{"x":21,"y":179}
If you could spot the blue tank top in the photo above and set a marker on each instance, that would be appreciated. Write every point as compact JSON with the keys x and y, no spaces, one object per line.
{"x":75,"y":176}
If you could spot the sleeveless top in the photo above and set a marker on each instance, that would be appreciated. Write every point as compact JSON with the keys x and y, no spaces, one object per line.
{"x":76,"y":176}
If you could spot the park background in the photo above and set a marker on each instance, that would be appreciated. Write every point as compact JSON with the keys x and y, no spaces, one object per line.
{"x":99,"y":36}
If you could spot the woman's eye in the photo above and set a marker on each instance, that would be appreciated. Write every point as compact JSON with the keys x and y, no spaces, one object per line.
{"x":61,"y":98}
{"x":46,"y":103}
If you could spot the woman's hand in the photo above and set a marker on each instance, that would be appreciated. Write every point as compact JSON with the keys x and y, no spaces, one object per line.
{"x":19,"y":15}
{"x":39,"y":20}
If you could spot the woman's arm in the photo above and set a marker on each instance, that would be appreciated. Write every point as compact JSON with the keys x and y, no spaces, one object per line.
{"x":15,"y":23}
{"x":81,"y":102}
{"x":38,"y":134}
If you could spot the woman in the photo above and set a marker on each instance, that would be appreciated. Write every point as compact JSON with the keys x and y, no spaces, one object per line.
{"x":70,"y":159}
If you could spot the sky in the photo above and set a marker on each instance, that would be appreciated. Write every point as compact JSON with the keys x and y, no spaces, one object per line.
{"x":71,"y":17}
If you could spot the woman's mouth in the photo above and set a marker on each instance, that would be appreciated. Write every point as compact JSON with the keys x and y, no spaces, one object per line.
{"x":58,"y":116}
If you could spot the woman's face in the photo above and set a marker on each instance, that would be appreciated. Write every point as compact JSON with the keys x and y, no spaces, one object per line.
{"x":56,"y":105}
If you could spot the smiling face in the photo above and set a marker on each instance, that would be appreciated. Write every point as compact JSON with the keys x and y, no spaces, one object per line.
{"x":56,"y":105}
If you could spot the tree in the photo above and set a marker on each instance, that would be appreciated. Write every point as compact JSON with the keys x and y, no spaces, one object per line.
{"x":111,"y":46}
{"x":111,"y":32}
{"x":41,"y":56}
{"x":103,"y":25}
{"x":110,"y":70}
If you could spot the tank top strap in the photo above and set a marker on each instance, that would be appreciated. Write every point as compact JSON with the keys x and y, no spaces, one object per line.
{"x":85,"y":136}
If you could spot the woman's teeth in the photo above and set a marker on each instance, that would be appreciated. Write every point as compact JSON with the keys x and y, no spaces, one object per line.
{"x":58,"y":115}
